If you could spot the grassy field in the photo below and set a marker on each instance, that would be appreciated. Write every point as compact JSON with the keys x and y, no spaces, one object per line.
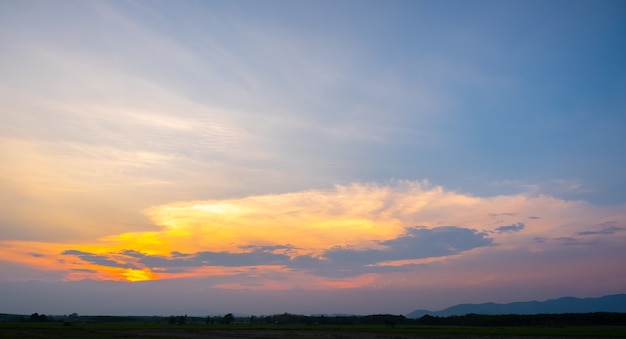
{"x":153,"y":330}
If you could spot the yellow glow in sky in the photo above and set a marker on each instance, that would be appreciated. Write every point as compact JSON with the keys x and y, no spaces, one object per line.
{"x":189,"y":236}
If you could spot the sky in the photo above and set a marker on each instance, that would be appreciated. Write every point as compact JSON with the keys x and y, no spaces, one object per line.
{"x":353,"y":157}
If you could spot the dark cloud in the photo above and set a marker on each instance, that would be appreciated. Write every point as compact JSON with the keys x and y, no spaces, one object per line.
{"x":571,"y":241}
{"x":36,"y":255}
{"x":415,"y":243}
{"x":101,"y":260}
{"x":564,"y":241}
{"x":259,"y":256}
{"x":422,"y":242}
{"x":133,"y":253}
{"x":153,"y":261}
{"x":84,"y":270}
{"x":511,"y":228}
{"x":604,"y":228}
{"x":177,"y":254}
{"x":338,"y":269}
{"x":268,"y":248}
{"x":506,"y":214}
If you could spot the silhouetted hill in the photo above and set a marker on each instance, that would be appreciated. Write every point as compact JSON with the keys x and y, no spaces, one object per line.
{"x":609,"y":303}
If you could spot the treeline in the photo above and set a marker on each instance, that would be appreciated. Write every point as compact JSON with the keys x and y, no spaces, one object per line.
{"x":567,"y":319}
{"x":377,"y":319}
{"x":570,"y":319}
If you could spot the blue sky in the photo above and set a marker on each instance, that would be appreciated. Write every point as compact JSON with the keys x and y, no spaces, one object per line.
{"x":331,"y":147}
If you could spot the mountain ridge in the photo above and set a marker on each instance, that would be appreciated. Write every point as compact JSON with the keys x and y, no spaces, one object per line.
{"x":608,"y":303}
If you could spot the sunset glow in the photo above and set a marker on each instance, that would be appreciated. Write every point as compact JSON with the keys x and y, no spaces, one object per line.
{"x":351,"y":157}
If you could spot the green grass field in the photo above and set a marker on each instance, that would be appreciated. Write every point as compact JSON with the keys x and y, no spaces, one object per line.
{"x":154,"y":330}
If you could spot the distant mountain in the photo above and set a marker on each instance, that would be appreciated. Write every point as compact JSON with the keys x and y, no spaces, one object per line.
{"x":609,"y":303}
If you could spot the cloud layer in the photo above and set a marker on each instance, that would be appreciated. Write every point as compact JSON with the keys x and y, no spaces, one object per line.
{"x":350,"y":233}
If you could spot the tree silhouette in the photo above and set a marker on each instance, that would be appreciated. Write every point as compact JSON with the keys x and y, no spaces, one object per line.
{"x":229,"y":318}
{"x":182,"y":320}
{"x":39,"y":318}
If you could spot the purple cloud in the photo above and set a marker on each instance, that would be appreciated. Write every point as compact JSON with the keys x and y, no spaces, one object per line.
{"x":511,"y":228}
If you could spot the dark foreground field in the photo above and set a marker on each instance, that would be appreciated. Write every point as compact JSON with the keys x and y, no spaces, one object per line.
{"x":134,"y":330}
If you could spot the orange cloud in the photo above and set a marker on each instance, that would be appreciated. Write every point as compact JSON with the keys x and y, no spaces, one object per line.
{"x":311,"y":237}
